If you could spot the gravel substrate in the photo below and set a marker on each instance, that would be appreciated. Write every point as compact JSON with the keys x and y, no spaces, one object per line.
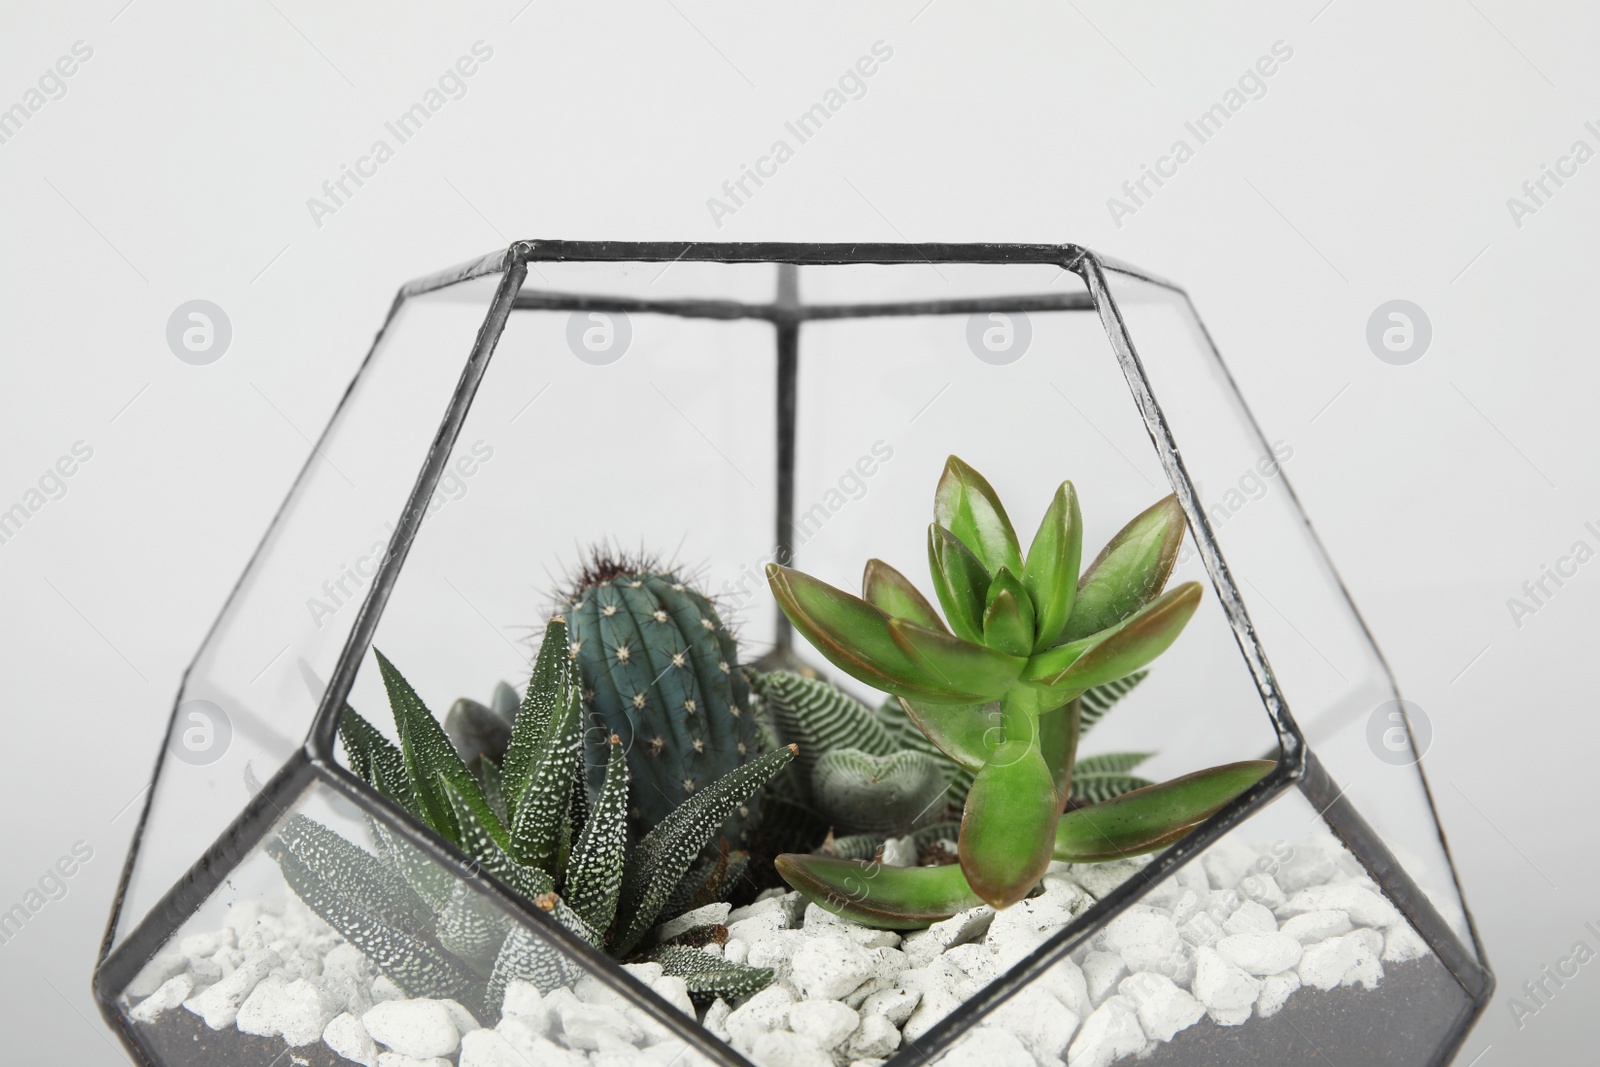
{"x":1233,"y":937}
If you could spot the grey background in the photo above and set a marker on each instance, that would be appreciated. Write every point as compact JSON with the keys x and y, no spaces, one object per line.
{"x":1376,"y":166}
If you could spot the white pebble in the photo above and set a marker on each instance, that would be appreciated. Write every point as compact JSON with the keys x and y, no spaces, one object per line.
{"x":1312,"y":926}
{"x":1364,"y":907}
{"x":171,"y":993}
{"x":1163,"y":1008}
{"x":1039,"y":1020}
{"x":1066,"y":983}
{"x":768,"y":1010}
{"x":1275,"y":990}
{"x":1220,"y":985}
{"x":1139,"y":925}
{"x":533,"y":1047}
{"x":1260,"y":954}
{"x":930,"y":1011}
{"x":1324,"y":963}
{"x":960,"y":928}
{"x":1110,"y":1032}
{"x":674,"y":991}
{"x":780,"y":1048}
{"x":395,"y":1059}
{"x":987,"y":1046}
{"x":596,"y":1026}
{"x":876,"y":1038}
{"x":824,"y":1023}
{"x":900,"y":852}
{"x":153,"y":975}
{"x":348,"y":1038}
{"x":219,"y":1005}
{"x":1251,"y":918}
{"x":1101,"y":973}
{"x":896,"y":1005}
{"x":297,"y":1011}
{"x":418,"y":1028}
{"x":1401,"y":943}
{"x":830,"y":966}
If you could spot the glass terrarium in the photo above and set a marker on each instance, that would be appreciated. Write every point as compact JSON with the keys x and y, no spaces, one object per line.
{"x":547,"y":438}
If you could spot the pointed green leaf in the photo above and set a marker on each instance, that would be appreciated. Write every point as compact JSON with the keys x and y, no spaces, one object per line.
{"x":542,"y":812}
{"x":960,"y":581}
{"x":967,"y":505}
{"x":1129,"y":571}
{"x":1129,"y":645}
{"x":893,"y":594}
{"x":530,"y":734}
{"x":709,"y":977}
{"x":478,"y":843}
{"x":430,"y":757}
{"x":528,"y":955}
{"x":819,"y":717}
{"x":972,"y":671}
{"x":1153,"y":817}
{"x":594,"y":873}
{"x":867,"y":892}
{"x":853,"y":635}
{"x":374,"y":759}
{"x":1008,"y":616}
{"x":668,"y":851}
{"x":1051,"y":572}
{"x":1008,"y":827}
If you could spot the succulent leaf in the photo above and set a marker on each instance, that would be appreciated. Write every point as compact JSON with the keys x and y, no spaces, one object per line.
{"x":853,"y":635}
{"x":1153,"y":817}
{"x":967,"y":505}
{"x":541,"y":813}
{"x":431,"y":760}
{"x":1129,"y":571}
{"x":1118,"y":652}
{"x":893,"y":594}
{"x":1059,"y":731}
{"x":1051,"y":571}
{"x":547,"y":693}
{"x":709,"y":977}
{"x":1098,"y":788}
{"x":594,"y":872}
{"x":882,"y":794}
{"x":967,"y":733}
{"x":1008,"y":616}
{"x":668,"y":851}
{"x":960,"y":581}
{"x":893,"y":898}
{"x":1007,"y":828}
{"x":374,"y":759}
{"x":528,"y":956}
{"x":967,"y":670}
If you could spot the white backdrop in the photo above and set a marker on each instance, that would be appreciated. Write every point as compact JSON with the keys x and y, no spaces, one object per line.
{"x":1377,"y":162}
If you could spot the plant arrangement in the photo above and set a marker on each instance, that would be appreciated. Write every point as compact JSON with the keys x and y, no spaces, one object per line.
{"x":526,"y":814}
{"x":997,"y":685}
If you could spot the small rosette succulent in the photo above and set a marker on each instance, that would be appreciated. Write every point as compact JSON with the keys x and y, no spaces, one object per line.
{"x":994,"y":683}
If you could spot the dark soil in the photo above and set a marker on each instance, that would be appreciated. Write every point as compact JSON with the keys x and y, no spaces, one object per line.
{"x":180,"y":1038}
{"x":1404,"y":1021}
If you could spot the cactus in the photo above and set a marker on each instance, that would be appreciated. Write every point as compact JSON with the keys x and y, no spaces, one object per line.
{"x":661,"y":671}
{"x":530,"y":823}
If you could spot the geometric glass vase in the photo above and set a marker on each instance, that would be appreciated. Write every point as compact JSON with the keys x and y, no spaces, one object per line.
{"x":720,"y":407}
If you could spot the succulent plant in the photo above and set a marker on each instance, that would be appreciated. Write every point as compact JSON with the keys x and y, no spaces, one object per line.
{"x":661,"y":671}
{"x":870,"y":773}
{"x":532,"y":824}
{"x":997,"y":685}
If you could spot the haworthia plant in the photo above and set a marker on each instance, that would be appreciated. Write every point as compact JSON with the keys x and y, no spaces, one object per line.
{"x":530,"y":823}
{"x":996,"y":683}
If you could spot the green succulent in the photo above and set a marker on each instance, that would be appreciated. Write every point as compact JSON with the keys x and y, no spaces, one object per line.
{"x":870,"y":773}
{"x":997,"y":683}
{"x":660,"y":670}
{"x":532,"y":823}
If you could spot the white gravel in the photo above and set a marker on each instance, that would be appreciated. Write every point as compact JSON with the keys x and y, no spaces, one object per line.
{"x":1233,"y":936}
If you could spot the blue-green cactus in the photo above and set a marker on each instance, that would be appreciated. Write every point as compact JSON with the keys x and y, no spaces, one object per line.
{"x":661,"y":671}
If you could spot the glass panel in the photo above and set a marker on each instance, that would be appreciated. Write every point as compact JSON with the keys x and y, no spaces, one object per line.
{"x":1273,"y":946}
{"x":250,"y":694}
{"x":335,"y":940}
{"x":1332,"y":677}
